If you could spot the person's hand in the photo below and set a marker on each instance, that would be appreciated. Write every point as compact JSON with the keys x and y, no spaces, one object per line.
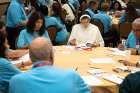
{"x":121,"y":47}
{"x":126,"y":63}
{"x":95,"y":44}
{"x":73,"y":42}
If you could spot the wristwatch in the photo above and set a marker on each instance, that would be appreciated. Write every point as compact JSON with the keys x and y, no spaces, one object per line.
{"x":138,"y":63}
{"x":137,"y":51}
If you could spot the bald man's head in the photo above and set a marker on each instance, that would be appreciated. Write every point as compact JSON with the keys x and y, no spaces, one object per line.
{"x":136,"y":27}
{"x":41,"y":50}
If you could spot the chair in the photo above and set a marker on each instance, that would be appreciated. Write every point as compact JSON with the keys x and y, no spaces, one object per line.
{"x":99,"y":24}
{"x":125,"y":29}
{"x":109,"y":37}
{"x":52,"y":31}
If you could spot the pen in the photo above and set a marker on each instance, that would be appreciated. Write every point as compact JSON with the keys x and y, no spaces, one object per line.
{"x":76,"y":68}
{"x":94,"y":67}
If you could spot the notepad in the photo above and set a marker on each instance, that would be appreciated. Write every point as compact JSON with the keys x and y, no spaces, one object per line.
{"x":91,"y":80}
{"x":102,"y":60}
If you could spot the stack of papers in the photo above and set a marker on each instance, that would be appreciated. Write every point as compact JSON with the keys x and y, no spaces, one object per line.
{"x":102,"y":60}
{"x":92,"y":81}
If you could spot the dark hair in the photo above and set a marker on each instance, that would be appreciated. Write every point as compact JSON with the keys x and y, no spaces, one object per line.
{"x":91,"y":3}
{"x":2,"y":41}
{"x":64,"y":1}
{"x":32,"y":20}
{"x":35,"y":4}
{"x":57,"y":9}
{"x":131,"y":13}
{"x":113,"y":4}
{"x":44,"y":10}
{"x":1,"y":24}
{"x":105,"y":6}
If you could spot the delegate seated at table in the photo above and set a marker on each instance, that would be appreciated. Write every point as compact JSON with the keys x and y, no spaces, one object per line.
{"x":7,"y":70}
{"x":133,"y":40}
{"x":85,"y":32}
{"x":44,"y":77}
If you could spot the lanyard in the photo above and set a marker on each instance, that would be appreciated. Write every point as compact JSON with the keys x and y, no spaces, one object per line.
{"x":46,"y":63}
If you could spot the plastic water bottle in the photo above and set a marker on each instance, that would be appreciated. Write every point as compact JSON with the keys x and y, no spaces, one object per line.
{"x":124,"y":42}
{"x":138,"y":45}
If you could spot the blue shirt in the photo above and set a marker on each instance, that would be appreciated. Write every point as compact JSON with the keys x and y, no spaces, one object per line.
{"x":44,"y":2}
{"x":75,"y":3}
{"x":7,"y":70}
{"x":48,"y":79}
{"x":122,"y":19}
{"x":131,"y":40}
{"x":62,"y":34}
{"x":26,"y":38}
{"x":90,"y":12}
{"x":105,"y":19}
{"x":15,"y":14}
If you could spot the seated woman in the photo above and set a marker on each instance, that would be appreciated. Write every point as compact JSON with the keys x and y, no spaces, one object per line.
{"x":7,"y":70}
{"x":86,"y":33}
{"x":35,"y":28}
{"x":130,"y":14}
{"x":3,"y":30}
{"x":58,"y":20}
{"x":116,"y":6}
{"x":133,"y":40}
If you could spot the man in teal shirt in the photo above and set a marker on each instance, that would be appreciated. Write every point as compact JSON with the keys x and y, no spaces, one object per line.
{"x":45,"y":78}
{"x":134,"y":36}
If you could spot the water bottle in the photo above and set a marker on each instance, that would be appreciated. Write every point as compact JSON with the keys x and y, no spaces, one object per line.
{"x":137,"y":45}
{"x":124,"y":43}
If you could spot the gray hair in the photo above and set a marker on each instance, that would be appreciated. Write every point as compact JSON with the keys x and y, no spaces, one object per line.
{"x":41,"y":50}
{"x":136,"y":21}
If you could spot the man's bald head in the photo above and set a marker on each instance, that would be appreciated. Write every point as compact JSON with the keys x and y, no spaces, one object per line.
{"x":41,"y":50}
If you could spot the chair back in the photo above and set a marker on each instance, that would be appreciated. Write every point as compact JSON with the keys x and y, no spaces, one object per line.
{"x":125,"y":29}
{"x":52,"y":31}
{"x":99,"y":24}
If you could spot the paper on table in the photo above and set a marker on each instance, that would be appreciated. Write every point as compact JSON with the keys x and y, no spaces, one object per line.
{"x":97,"y":72}
{"x":24,"y":58}
{"x":116,"y":51}
{"x":92,"y":81}
{"x":68,"y":47}
{"x":113,"y":78}
{"x":16,"y":61}
{"x":102,"y":60}
{"x":66,"y":52}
